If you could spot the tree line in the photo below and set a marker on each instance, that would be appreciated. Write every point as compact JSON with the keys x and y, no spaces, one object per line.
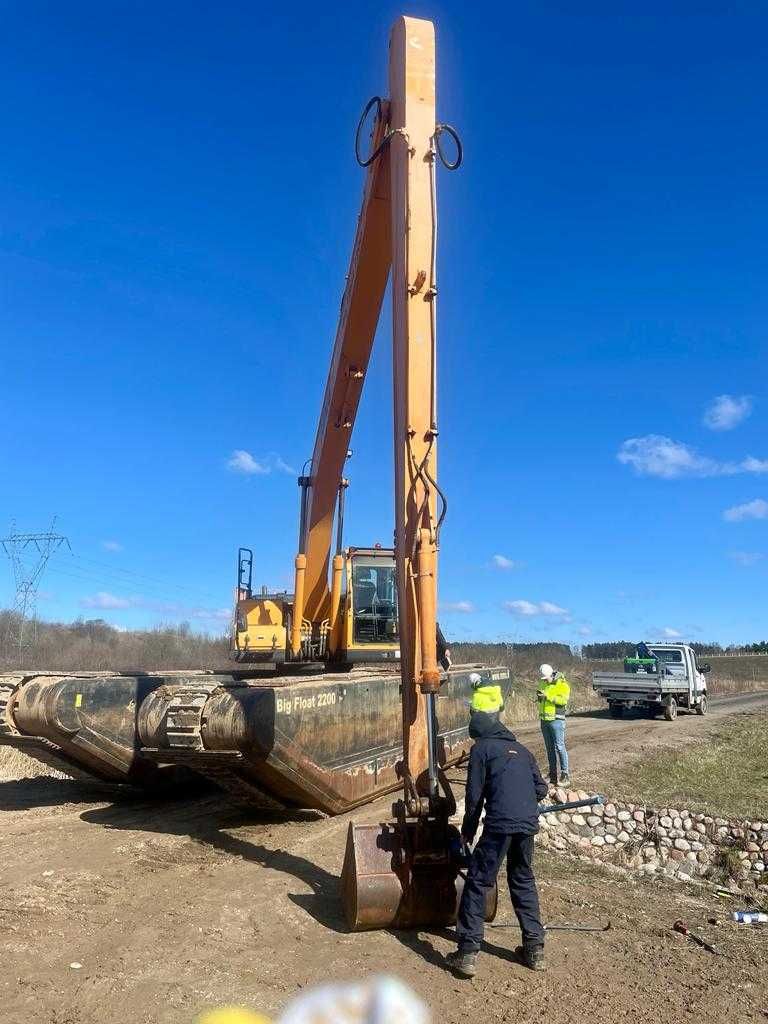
{"x":626,"y":648}
{"x":94,"y":644}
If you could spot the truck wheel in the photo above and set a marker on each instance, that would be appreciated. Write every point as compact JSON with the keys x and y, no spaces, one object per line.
{"x":670,"y":710}
{"x":615,"y":710}
{"x":701,"y":707}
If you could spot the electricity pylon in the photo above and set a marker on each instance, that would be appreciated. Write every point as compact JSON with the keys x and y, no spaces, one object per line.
{"x":22,"y":622}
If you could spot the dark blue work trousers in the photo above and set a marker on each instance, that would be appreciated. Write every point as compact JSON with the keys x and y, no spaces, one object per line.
{"x":487,"y":858}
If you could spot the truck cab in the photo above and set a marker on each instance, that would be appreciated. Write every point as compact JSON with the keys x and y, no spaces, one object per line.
{"x":678,"y":661}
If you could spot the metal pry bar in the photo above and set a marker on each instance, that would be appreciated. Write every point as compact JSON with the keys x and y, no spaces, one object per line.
{"x":571,"y":805}
{"x":561,"y":927}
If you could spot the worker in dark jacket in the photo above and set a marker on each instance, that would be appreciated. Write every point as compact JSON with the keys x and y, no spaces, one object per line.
{"x":504,"y":778}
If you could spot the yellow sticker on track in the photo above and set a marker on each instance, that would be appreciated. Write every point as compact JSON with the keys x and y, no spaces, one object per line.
{"x":78,"y":700}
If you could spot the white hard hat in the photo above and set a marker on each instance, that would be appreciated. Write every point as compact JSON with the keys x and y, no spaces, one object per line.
{"x":475,"y":679}
{"x":546,"y":671}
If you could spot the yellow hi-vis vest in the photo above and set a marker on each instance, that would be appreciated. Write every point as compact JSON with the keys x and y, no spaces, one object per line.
{"x":554,"y":699}
{"x":487,"y":698}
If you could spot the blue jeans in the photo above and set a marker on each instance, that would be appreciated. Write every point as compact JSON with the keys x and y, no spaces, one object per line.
{"x":554,"y":741}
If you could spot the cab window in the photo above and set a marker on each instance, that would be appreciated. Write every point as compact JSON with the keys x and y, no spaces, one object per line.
{"x":669,"y":657}
{"x":374,"y":602}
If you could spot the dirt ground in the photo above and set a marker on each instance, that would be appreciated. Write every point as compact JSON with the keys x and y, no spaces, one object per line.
{"x":174,"y":906}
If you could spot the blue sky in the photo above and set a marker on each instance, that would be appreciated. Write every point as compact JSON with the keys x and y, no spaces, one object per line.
{"x":178,"y":199}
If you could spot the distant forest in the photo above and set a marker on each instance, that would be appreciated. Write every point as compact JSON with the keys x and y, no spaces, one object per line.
{"x":93,"y":644}
{"x":625,"y":648}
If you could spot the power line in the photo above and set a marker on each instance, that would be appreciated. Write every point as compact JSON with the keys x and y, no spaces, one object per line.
{"x":27,"y":580}
{"x":133,"y":581}
{"x":156,"y":601}
{"x":174,"y":584}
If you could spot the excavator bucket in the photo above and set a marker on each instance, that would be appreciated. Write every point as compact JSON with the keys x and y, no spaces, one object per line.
{"x":404,"y":875}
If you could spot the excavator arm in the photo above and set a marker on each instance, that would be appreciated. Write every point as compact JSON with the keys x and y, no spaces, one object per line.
{"x":397,"y":228}
{"x":414,"y":294}
{"x":406,"y":872}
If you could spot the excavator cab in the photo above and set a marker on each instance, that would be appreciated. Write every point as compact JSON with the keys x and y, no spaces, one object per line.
{"x":369,"y":619}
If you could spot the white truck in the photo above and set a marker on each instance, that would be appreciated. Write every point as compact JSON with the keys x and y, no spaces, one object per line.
{"x":663,"y":677}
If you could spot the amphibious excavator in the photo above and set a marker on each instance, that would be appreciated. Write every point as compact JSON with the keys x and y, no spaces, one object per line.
{"x":330,"y":737}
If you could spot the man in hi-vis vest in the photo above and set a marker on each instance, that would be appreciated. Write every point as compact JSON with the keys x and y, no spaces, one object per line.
{"x":552,"y":696}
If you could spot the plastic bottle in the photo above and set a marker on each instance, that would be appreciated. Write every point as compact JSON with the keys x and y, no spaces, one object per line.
{"x":749,"y":917}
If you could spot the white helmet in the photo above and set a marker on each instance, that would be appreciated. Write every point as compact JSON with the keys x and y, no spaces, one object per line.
{"x":547,"y":672}
{"x":475,"y":679}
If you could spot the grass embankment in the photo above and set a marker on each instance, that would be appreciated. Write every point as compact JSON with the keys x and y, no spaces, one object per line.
{"x":725,"y":775}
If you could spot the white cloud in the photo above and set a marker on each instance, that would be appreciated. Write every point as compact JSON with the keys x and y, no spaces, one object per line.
{"x":727,"y":411}
{"x":757,"y":509}
{"x":585,"y":631}
{"x":547,"y":608}
{"x":243,"y":462}
{"x":502,"y":562}
{"x":654,"y":455}
{"x":522,"y":607}
{"x":747,"y":558}
{"x":283,"y":467}
{"x":112,"y":545}
{"x":103,"y":599}
{"x":464,"y":607}
{"x":529,"y":609}
{"x":671,"y":634}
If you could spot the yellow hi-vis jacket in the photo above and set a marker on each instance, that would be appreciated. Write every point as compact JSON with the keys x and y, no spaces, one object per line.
{"x":554,"y":699}
{"x":487,"y":698}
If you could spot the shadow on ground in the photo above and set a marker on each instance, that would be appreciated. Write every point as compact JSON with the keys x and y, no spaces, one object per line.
{"x":44,"y":791}
{"x":208,"y":822}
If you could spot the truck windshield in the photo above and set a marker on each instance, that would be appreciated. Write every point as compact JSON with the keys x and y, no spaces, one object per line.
{"x":374,"y":602}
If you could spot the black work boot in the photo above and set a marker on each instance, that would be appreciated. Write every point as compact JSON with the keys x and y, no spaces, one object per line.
{"x":463,"y":963}
{"x":531,"y":956}
{"x":565,"y":779}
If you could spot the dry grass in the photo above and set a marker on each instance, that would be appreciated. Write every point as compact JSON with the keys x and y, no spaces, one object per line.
{"x":94,"y":645}
{"x":725,"y":775}
{"x":524,"y":663}
{"x":738,"y":674}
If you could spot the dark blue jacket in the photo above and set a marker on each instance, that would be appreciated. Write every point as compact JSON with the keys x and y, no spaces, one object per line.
{"x":504,"y":777}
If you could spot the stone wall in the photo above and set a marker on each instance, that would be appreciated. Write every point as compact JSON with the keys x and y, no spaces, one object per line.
{"x":668,"y":841}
